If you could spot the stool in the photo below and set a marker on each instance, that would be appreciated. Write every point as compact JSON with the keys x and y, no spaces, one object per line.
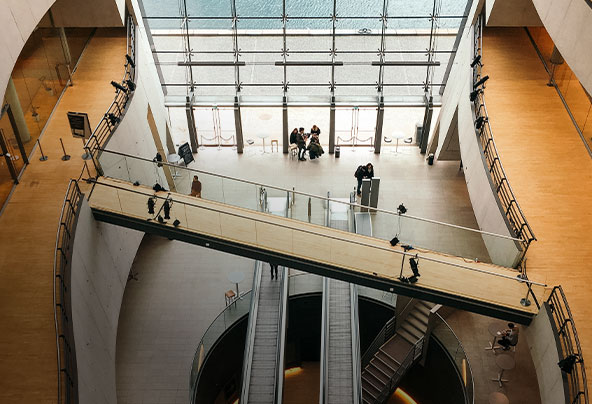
{"x":229,"y":297}
{"x":408,"y":140}
{"x":250,"y":142}
{"x":504,"y":362}
{"x":498,"y":398}
{"x":387,"y":139}
{"x":277,"y":145}
{"x":293,"y":149}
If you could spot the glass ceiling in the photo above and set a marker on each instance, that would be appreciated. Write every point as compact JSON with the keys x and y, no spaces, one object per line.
{"x":305,"y":50}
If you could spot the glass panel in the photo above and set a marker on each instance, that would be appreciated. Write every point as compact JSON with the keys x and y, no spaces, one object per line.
{"x":267,"y":8}
{"x":215,"y":126}
{"x":259,"y":122}
{"x":12,"y":160}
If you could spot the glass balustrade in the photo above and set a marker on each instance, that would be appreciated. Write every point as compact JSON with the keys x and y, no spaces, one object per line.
{"x":453,"y":346}
{"x":420,"y":233}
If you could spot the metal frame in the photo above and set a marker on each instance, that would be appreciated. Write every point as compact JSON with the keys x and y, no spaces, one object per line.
{"x":192,"y":81}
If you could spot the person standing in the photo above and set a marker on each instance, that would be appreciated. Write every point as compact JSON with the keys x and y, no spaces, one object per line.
{"x":196,"y":187}
{"x":362,"y":172}
{"x":301,"y":142}
{"x":274,"y":270}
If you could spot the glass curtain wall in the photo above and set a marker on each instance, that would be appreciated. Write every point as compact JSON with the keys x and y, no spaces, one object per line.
{"x":307,"y":53}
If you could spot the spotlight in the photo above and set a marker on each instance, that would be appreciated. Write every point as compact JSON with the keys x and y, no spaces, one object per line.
{"x":394,"y":241}
{"x":407,"y":247}
{"x":160,"y":219}
{"x":118,"y":86}
{"x":474,"y":94}
{"x":479,"y":122}
{"x":157,"y":159}
{"x":167,"y":209}
{"x":158,"y":188}
{"x":566,"y":364}
{"x":136,"y":183}
{"x":414,"y":267}
{"x":176,"y":223}
{"x":482,"y":81}
{"x":151,"y":203}
{"x":113,"y":118}
{"x":401,"y":209}
{"x":130,"y":61}
{"x":476,"y":61}
{"x":130,"y":85}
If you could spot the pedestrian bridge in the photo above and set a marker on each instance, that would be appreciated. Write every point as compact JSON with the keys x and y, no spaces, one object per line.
{"x":478,"y":287}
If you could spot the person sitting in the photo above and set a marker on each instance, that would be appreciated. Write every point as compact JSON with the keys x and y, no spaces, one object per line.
{"x":315,"y":149}
{"x":315,"y":132}
{"x":509,"y":337}
{"x":294,"y":136}
{"x":301,"y":142}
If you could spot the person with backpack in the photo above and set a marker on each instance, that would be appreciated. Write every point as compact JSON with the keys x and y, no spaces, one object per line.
{"x":362,"y":172}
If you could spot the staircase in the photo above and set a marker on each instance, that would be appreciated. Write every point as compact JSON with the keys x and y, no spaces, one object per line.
{"x":392,"y":360}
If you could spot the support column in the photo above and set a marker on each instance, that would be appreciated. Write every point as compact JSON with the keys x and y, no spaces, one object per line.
{"x":17,"y":111}
{"x":426,"y":339}
{"x":332,"y":127}
{"x":286,"y":129}
{"x":238,"y":125}
{"x":379,"y":121}
{"x":427,"y":122}
{"x":191,"y":124}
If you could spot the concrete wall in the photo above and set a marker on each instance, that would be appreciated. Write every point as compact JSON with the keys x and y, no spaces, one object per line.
{"x":543,"y":350}
{"x":569,"y":22}
{"x":511,"y":13}
{"x":101,"y":260}
{"x":456,"y":119}
{"x":85,"y":13}
{"x":18,"y":19}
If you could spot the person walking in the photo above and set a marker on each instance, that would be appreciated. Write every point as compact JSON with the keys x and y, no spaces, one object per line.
{"x":196,"y":187}
{"x":362,"y":172}
{"x":274,"y":270}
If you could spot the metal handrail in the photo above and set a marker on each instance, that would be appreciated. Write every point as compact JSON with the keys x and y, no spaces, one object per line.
{"x":309,"y":195}
{"x":116,"y":110}
{"x":569,"y":342}
{"x":66,"y":355}
{"x":504,"y":192}
{"x":470,"y":369}
{"x":274,"y":223}
{"x":383,"y":336}
{"x":324,"y":362}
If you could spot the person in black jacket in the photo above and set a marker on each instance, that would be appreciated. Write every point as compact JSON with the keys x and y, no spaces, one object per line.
{"x":301,"y":142}
{"x":294,"y":136}
{"x":362,"y":172}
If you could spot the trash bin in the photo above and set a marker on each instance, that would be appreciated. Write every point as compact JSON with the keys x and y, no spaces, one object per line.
{"x":337,"y":151}
{"x":431,"y":159}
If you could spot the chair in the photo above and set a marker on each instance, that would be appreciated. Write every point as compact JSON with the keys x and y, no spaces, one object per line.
{"x":408,"y":140}
{"x":293,"y":149}
{"x":277,"y":145}
{"x":387,"y":139}
{"x":229,"y":297}
{"x":250,"y":142}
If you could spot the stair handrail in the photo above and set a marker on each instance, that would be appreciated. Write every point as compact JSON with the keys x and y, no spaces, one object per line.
{"x":355,"y":333}
{"x":324,"y":365}
{"x":250,"y":338}
{"x":385,"y":333}
{"x":412,"y":356}
{"x":568,"y":340}
{"x":284,"y":296}
{"x":505,"y":195}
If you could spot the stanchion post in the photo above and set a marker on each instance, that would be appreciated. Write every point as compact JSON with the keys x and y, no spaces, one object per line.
{"x":43,"y":156}
{"x":66,"y":156}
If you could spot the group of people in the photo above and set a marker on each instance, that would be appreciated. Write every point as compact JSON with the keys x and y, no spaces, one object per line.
{"x":300,"y":139}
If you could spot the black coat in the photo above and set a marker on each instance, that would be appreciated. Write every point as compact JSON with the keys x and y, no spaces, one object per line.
{"x":364,"y":173}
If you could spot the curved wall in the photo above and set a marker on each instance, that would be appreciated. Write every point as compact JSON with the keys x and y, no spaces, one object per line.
{"x":18,"y":19}
{"x":569,"y":23}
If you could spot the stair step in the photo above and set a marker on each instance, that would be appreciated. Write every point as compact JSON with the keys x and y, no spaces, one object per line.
{"x":420,"y":316}
{"x":368,"y":392}
{"x":412,"y":339}
{"x":388,"y":365}
{"x":378,"y":378}
{"x":417,"y":324}
{"x":385,"y":353}
{"x":411,"y":330}
{"x":388,"y":359}
{"x":365,"y":400}
{"x":368,"y":385}
{"x":377,"y":367}
{"x":423,"y":308}
{"x":427,"y":305}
